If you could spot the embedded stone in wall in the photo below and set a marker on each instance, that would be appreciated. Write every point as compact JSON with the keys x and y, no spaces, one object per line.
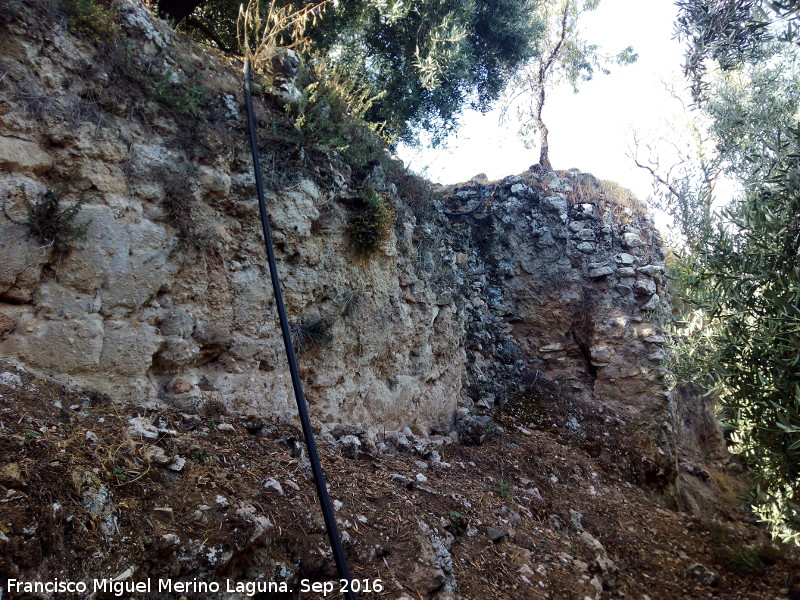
{"x":644,"y":286}
{"x":22,"y":156}
{"x":71,"y":346}
{"x":20,"y":267}
{"x":128,"y":348}
{"x":632,"y":240}
{"x":600,"y":271}
{"x":126,"y":261}
{"x":625,"y":259}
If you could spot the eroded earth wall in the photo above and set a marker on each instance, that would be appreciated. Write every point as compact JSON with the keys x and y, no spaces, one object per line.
{"x":165,"y":297}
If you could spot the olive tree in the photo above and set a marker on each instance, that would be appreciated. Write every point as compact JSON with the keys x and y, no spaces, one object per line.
{"x":738,"y":276}
{"x":559,"y":55}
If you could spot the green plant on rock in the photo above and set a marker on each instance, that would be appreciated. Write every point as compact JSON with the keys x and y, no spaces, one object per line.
{"x":738,"y":557}
{"x":93,"y":19}
{"x":432,"y":58}
{"x":458,"y":523}
{"x":49,"y":221}
{"x":330,"y":114}
{"x":414,"y":189}
{"x":504,"y":489}
{"x":30,"y":436}
{"x":186,"y":100}
{"x":117,"y":476}
{"x":370,"y":224}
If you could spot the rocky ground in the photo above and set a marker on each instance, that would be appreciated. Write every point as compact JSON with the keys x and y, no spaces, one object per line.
{"x":93,"y":489}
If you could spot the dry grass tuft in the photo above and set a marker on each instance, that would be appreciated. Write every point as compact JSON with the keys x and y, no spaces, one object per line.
{"x":261,"y":38}
{"x":610,"y":196}
{"x":414,"y":189}
{"x":585,"y":189}
{"x":622,"y":202}
{"x":311,"y":335}
{"x":183,"y":212}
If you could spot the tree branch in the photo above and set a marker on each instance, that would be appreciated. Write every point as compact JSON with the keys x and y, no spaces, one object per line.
{"x":208,"y":32}
{"x":545,"y":66}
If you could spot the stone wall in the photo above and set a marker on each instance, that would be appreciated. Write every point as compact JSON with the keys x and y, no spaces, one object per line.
{"x":576,"y":288}
{"x":571,"y":285}
{"x":166,"y":298}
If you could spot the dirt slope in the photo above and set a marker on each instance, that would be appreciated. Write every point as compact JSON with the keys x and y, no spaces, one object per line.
{"x":83,"y":497}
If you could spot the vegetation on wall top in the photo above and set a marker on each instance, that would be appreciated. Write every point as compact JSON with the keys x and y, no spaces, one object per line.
{"x":424,"y":60}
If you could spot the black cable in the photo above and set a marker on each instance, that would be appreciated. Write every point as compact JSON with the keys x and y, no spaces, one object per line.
{"x":308,"y":434}
{"x":482,"y":193}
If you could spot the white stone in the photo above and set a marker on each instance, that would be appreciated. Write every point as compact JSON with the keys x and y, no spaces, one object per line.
{"x":632,"y":240}
{"x":651,"y":270}
{"x":623,"y":258}
{"x":644,"y":286}
{"x":273,"y":485}
{"x":216,"y":182}
{"x":156,"y":455}
{"x":177,"y":464}
{"x":601,"y":355}
{"x":554,"y":347}
{"x":141,"y":427}
{"x":10,"y":379}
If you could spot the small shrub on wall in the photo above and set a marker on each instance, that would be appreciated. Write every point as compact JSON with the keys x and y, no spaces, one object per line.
{"x":369,"y":226}
{"x":310,"y":335}
{"x":93,"y":19}
{"x":49,"y":221}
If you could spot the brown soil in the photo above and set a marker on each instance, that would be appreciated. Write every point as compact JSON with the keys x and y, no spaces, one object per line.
{"x":200,"y":522}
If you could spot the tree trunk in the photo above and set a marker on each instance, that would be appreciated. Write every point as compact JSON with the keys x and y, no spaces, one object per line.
{"x":544,"y":151}
{"x":544,"y":159}
{"x":178,"y":9}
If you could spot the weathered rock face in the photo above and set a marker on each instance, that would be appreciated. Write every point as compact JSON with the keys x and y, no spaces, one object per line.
{"x":166,"y":298}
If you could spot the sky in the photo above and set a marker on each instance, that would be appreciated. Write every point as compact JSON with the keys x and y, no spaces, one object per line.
{"x":591,"y":130}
